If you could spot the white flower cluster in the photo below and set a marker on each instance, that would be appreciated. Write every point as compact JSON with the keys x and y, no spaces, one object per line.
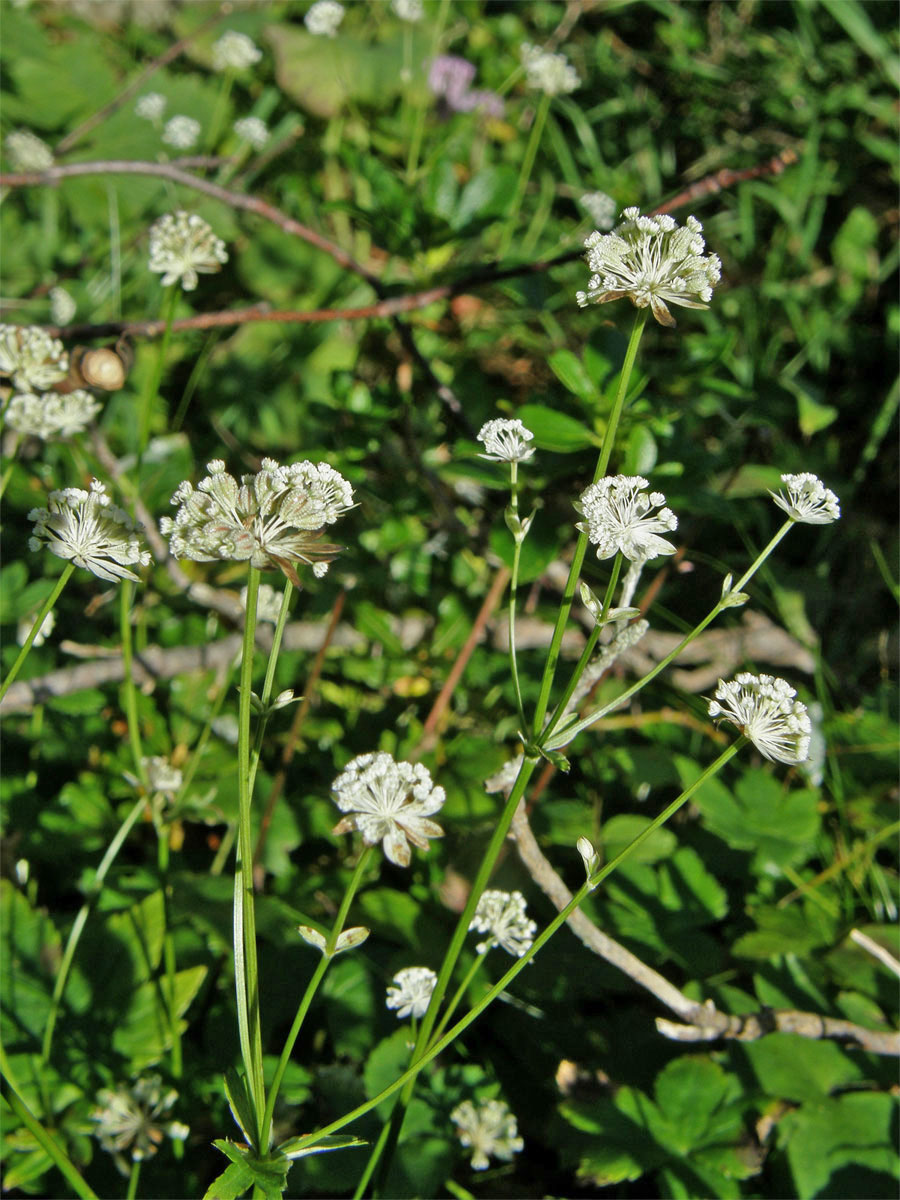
{"x":808,"y":500}
{"x":501,"y":915}
{"x":31,"y":357}
{"x":408,"y":10}
{"x":24,"y":628}
{"x":549,"y":73}
{"x":161,"y":775}
{"x":27,"y":152}
{"x":763,"y":707}
{"x":235,"y":51}
{"x":89,"y":530}
{"x":52,"y":415}
{"x":324,"y":17}
{"x":150,"y":107}
{"x":412,"y":994}
{"x":181,"y":132}
{"x":183,"y":244}
{"x":270,"y":519}
{"x":388,"y":802}
{"x":253,"y":131}
{"x":653,"y":261}
{"x":490,"y":1131}
{"x":506,"y":440}
{"x":130,"y":1118}
{"x":619,"y":518}
{"x":600,"y":208}
{"x":62,"y":306}
{"x":268,"y":603}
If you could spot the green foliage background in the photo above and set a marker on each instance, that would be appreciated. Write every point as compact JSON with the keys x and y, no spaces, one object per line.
{"x":750,"y":897}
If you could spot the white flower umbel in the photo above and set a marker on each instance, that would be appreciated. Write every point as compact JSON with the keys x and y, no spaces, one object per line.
{"x":412,"y":994}
{"x":501,"y":915}
{"x":24,"y":628}
{"x":408,"y":10}
{"x":490,"y":1131}
{"x":388,"y":802}
{"x":764,"y":709}
{"x":161,"y":775}
{"x":506,"y":441}
{"x":653,"y":261}
{"x":52,"y":415}
{"x":619,"y":517}
{"x":549,"y":73}
{"x":89,"y":530}
{"x":324,"y":17}
{"x":253,"y":131}
{"x":271,"y":519}
{"x":808,"y":500}
{"x":235,"y":51}
{"x":183,"y":244}
{"x":62,"y":306}
{"x":181,"y":132}
{"x":27,"y":152}
{"x":32,"y":357}
{"x":600,"y":208}
{"x":151,"y":106}
{"x":131,"y":1119}
{"x":268,"y":603}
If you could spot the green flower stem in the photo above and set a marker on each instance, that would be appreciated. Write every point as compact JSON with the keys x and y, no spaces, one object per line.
{"x":513,"y":586}
{"x":219,"y":111}
{"x":106,"y":862}
{"x":170,"y":302}
{"x":458,"y":995}
{"x":129,"y":692}
{"x":415,"y":145}
{"x":450,"y":960}
{"x":512,"y":216}
{"x":133,"y":1179}
{"x":547,"y":740}
{"x":246,"y":972}
{"x":313,"y":986}
{"x":10,"y":467}
{"x":609,"y":439}
{"x":162,"y":860}
{"x":589,"y":647}
{"x":44,"y":1139}
{"x":436,"y":1048}
{"x":38,"y":622}
{"x":269,"y":682}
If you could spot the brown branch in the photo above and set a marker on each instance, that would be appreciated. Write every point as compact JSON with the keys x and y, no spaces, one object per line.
{"x":702,"y":1022}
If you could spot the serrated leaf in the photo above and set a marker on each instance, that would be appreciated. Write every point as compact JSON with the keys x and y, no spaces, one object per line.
{"x":268,"y":1174}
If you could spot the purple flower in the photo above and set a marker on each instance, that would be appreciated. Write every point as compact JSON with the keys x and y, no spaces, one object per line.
{"x":449,"y":78}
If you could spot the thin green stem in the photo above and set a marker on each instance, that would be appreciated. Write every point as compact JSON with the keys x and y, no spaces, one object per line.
{"x":609,"y":439}
{"x":129,"y":691}
{"x":44,"y":1139}
{"x":162,"y":859}
{"x":550,"y":742}
{"x":170,"y":302}
{"x":38,"y":622}
{"x":512,"y":214}
{"x":518,"y":536}
{"x":415,"y":145}
{"x":75,"y":932}
{"x":458,"y":995}
{"x":10,"y":467}
{"x":219,"y":111}
{"x":133,"y":1179}
{"x":313,"y":986}
{"x":438,"y":1047}
{"x":246,"y":972}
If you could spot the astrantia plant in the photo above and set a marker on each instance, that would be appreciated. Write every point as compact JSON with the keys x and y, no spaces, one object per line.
{"x":550,"y":73}
{"x":489,"y":1131}
{"x":32,"y":358}
{"x":181,"y":132}
{"x":620,"y":518}
{"x":27,"y":152}
{"x":323,"y":18}
{"x":501,"y":915}
{"x":808,"y":500}
{"x":88,"y":530}
{"x":506,"y":441}
{"x":183,"y":244}
{"x":412,"y":992}
{"x":52,"y":415}
{"x":765,"y":710}
{"x":388,"y":802}
{"x":235,"y":51}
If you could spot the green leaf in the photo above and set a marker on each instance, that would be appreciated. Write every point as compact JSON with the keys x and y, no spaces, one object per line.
{"x":247,"y":1171}
{"x":796,"y":1068}
{"x":31,"y":947}
{"x":619,"y":831}
{"x":337,"y":1141}
{"x":571,"y":373}
{"x":556,"y":431}
{"x":834,"y":1134}
{"x":782,"y":931}
{"x":239,"y":1102}
{"x":485,"y":195}
{"x":387,"y":1062}
{"x":143,"y":1035}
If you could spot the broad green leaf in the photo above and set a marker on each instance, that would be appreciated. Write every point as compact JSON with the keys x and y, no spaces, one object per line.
{"x":782,"y":931}
{"x":143,"y":1034}
{"x":31,"y":949}
{"x":796,"y":1068}
{"x":269,"y":1174}
{"x":485,"y":195}
{"x":836,"y":1134}
{"x":570,"y":371}
{"x":619,"y":831}
{"x":239,"y":1102}
{"x":556,"y":431}
{"x":387,"y":1062}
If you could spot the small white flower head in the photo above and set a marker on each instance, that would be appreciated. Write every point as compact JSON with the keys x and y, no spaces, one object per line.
{"x":600,"y":208}
{"x":589,"y":857}
{"x":268,"y":603}
{"x":808,"y":500}
{"x":271,"y":519}
{"x":131,"y":1119}
{"x":27,"y":152}
{"x":89,"y":530}
{"x":388,"y":802}
{"x":503,"y":780}
{"x":550,"y":73}
{"x":235,"y":51}
{"x":653,"y":261}
{"x":151,"y":106}
{"x":62,"y":306}
{"x":501,"y":915}
{"x":412,"y":994}
{"x":51,"y":415}
{"x":619,"y":517}
{"x":324,"y":17}
{"x":161,"y":775}
{"x":408,"y":10}
{"x":24,"y":628}
{"x":183,"y":244}
{"x":253,"y":131}
{"x":490,"y":1130}
{"x":506,"y":441}
{"x":181,"y":132}
{"x":32,"y":357}
{"x":765,"y":710}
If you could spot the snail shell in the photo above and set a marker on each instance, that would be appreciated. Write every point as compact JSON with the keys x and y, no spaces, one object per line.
{"x":105,"y":368}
